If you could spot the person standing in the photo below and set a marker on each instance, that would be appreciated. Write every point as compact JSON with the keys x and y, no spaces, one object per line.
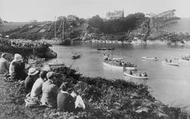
{"x":4,"y":64}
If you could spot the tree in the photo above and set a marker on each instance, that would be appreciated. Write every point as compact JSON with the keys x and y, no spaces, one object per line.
{"x":96,"y":21}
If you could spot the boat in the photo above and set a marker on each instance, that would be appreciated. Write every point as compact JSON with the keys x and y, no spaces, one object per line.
{"x":150,"y":58}
{"x":171,"y":63}
{"x":135,"y":76}
{"x":76,"y":56}
{"x":117,"y":66}
{"x":105,"y":48}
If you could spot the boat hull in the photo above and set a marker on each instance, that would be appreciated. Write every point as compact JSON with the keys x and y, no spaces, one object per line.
{"x":118,"y":67}
{"x":171,"y":64}
{"x":135,"y":77}
{"x":113,"y":66}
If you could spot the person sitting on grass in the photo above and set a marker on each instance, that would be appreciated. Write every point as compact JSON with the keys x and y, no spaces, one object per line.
{"x":17,"y":68}
{"x":33,"y":75}
{"x":49,"y":91}
{"x":65,"y":102}
{"x":37,"y":87}
{"x":32,"y":98}
{"x":4,"y":64}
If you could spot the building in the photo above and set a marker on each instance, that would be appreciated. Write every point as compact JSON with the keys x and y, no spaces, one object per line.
{"x":117,"y":14}
{"x":162,"y":19}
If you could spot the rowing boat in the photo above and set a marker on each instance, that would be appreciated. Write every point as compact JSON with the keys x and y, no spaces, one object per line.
{"x":105,"y":48}
{"x":150,"y":58}
{"x":76,"y":56}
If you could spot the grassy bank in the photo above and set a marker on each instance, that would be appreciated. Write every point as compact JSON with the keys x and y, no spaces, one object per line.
{"x":105,"y":100}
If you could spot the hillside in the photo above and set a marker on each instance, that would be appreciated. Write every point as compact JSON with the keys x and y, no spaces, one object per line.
{"x":10,"y":26}
{"x":74,"y":27}
{"x":67,"y":27}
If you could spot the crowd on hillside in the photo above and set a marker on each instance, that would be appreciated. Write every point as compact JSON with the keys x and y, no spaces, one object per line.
{"x":40,"y":85}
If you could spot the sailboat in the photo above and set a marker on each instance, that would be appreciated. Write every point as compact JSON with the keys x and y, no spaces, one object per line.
{"x":62,"y":40}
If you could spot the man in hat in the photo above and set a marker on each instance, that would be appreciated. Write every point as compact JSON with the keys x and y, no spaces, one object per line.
{"x":65,"y":102}
{"x":49,"y":91}
{"x":17,"y":68}
{"x":33,"y":74}
{"x":4,"y":64}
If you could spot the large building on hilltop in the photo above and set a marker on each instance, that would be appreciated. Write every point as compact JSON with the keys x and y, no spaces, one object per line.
{"x":163,"y":19}
{"x":117,"y":14}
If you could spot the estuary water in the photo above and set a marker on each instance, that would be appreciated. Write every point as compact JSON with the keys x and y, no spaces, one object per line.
{"x":169,"y":84}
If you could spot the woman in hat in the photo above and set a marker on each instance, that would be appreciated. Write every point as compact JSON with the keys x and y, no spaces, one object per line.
{"x":49,"y":91}
{"x":17,"y":68}
{"x":33,"y":74}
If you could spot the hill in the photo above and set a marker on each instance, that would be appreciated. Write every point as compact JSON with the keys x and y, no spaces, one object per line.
{"x":6,"y":26}
{"x":67,"y":27}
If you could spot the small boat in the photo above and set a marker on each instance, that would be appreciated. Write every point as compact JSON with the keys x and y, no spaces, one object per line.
{"x":171,"y":63}
{"x":105,"y":48}
{"x":135,"y":76}
{"x":76,"y":56}
{"x":150,"y":58}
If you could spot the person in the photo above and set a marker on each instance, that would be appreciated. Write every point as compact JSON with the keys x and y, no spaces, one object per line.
{"x":49,"y":91}
{"x":145,"y":74}
{"x":130,"y":72}
{"x":4,"y":64}
{"x":33,"y":74}
{"x":65,"y":102}
{"x":37,"y":87}
{"x":17,"y":68}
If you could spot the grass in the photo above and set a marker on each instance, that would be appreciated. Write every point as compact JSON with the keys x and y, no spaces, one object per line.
{"x":11,"y":25}
{"x":105,"y":100}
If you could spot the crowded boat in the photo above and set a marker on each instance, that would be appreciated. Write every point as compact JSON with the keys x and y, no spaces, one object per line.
{"x":117,"y":63}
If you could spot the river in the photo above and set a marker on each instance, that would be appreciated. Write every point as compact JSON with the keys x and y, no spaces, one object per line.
{"x":169,"y":84}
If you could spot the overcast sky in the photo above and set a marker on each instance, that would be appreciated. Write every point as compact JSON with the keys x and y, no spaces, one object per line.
{"x":26,"y":10}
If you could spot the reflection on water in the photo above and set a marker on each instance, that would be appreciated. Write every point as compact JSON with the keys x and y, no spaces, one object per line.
{"x":167,"y":83}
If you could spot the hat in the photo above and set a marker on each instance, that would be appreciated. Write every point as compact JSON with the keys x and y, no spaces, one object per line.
{"x":50,"y":75}
{"x":32,"y":71}
{"x":18,"y":57}
{"x":46,"y":68}
{"x":3,"y":55}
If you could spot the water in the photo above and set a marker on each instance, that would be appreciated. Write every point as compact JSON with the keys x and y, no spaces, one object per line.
{"x":168,"y":84}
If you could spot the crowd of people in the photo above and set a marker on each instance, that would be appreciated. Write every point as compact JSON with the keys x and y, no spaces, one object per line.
{"x":40,"y":86}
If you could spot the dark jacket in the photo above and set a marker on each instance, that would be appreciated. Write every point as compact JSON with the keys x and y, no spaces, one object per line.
{"x":65,"y":102}
{"x":29,"y":82}
{"x":18,"y":71}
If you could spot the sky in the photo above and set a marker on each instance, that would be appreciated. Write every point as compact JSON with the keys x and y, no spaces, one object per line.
{"x":45,"y":10}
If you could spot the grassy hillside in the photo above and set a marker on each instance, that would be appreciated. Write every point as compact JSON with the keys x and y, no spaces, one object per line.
{"x":71,"y":27}
{"x":11,"y":25}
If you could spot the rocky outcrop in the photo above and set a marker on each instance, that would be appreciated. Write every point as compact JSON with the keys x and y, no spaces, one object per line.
{"x":27,"y":47}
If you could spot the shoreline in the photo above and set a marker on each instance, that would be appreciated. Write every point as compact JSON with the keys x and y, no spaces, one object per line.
{"x":138,"y":42}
